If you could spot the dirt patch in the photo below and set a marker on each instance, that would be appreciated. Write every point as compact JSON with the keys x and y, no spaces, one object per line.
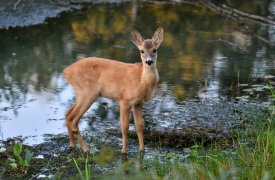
{"x":178,"y":138}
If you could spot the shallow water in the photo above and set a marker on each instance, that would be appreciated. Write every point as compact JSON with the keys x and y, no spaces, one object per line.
{"x":199,"y":47}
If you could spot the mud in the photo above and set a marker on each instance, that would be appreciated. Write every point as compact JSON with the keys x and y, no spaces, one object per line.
{"x":181,"y":138}
{"x":51,"y":159}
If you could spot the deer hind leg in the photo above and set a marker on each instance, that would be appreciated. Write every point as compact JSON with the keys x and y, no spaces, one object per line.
{"x":139,"y":124}
{"x":68,"y":122}
{"x":81,"y":106}
{"x":124,"y":122}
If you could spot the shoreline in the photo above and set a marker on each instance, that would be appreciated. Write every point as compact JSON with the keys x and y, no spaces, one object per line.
{"x":19,"y":13}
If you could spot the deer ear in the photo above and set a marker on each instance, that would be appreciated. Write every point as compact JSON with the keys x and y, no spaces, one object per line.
{"x":136,"y":38}
{"x":158,"y":36}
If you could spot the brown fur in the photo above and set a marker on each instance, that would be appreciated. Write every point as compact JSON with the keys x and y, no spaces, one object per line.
{"x":82,"y":75}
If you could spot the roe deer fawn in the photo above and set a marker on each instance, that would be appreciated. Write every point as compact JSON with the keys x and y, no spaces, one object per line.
{"x":130,"y":84}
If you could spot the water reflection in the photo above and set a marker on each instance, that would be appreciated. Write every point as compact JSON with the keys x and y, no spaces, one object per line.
{"x":200,"y":49}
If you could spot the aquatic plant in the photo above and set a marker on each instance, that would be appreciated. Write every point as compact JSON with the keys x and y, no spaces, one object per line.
{"x":20,"y":161}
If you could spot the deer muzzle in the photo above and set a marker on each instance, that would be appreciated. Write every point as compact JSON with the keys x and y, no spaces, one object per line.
{"x":149,"y":62}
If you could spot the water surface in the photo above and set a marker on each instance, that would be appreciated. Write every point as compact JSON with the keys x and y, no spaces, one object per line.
{"x":199,"y":47}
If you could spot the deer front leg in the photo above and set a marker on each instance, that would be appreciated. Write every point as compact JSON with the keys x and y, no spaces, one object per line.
{"x":124,"y":122}
{"x":139,"y":124}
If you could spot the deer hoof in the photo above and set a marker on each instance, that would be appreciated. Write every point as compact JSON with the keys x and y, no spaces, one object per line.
{"x":75,"y":132}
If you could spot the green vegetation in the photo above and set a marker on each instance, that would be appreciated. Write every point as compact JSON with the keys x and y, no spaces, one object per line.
{"x":87,"y":173}
{"x":18,"y":161}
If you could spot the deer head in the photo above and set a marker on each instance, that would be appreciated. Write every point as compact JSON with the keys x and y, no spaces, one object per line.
{"x":148,"y":47}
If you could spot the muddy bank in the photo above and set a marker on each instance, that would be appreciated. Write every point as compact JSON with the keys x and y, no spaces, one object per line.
{"x":20,"y":13}
{"x":54,"y":158}
{"x":181,"y":138}
{"x":49,"y":159}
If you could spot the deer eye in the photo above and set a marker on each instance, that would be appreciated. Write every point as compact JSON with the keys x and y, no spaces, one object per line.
{"x":142,"y":51}
{"x":154,"y":50}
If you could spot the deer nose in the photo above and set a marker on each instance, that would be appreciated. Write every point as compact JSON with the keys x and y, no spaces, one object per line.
{"x":149,"y":62}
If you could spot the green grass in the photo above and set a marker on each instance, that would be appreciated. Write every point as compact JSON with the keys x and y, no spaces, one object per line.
{"x":86,"y":175}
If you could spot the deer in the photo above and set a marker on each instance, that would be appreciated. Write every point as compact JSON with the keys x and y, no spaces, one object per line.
{"x":131,"y":84}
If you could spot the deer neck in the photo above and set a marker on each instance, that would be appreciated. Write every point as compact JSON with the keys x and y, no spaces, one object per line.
{"x":149,"y":75}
